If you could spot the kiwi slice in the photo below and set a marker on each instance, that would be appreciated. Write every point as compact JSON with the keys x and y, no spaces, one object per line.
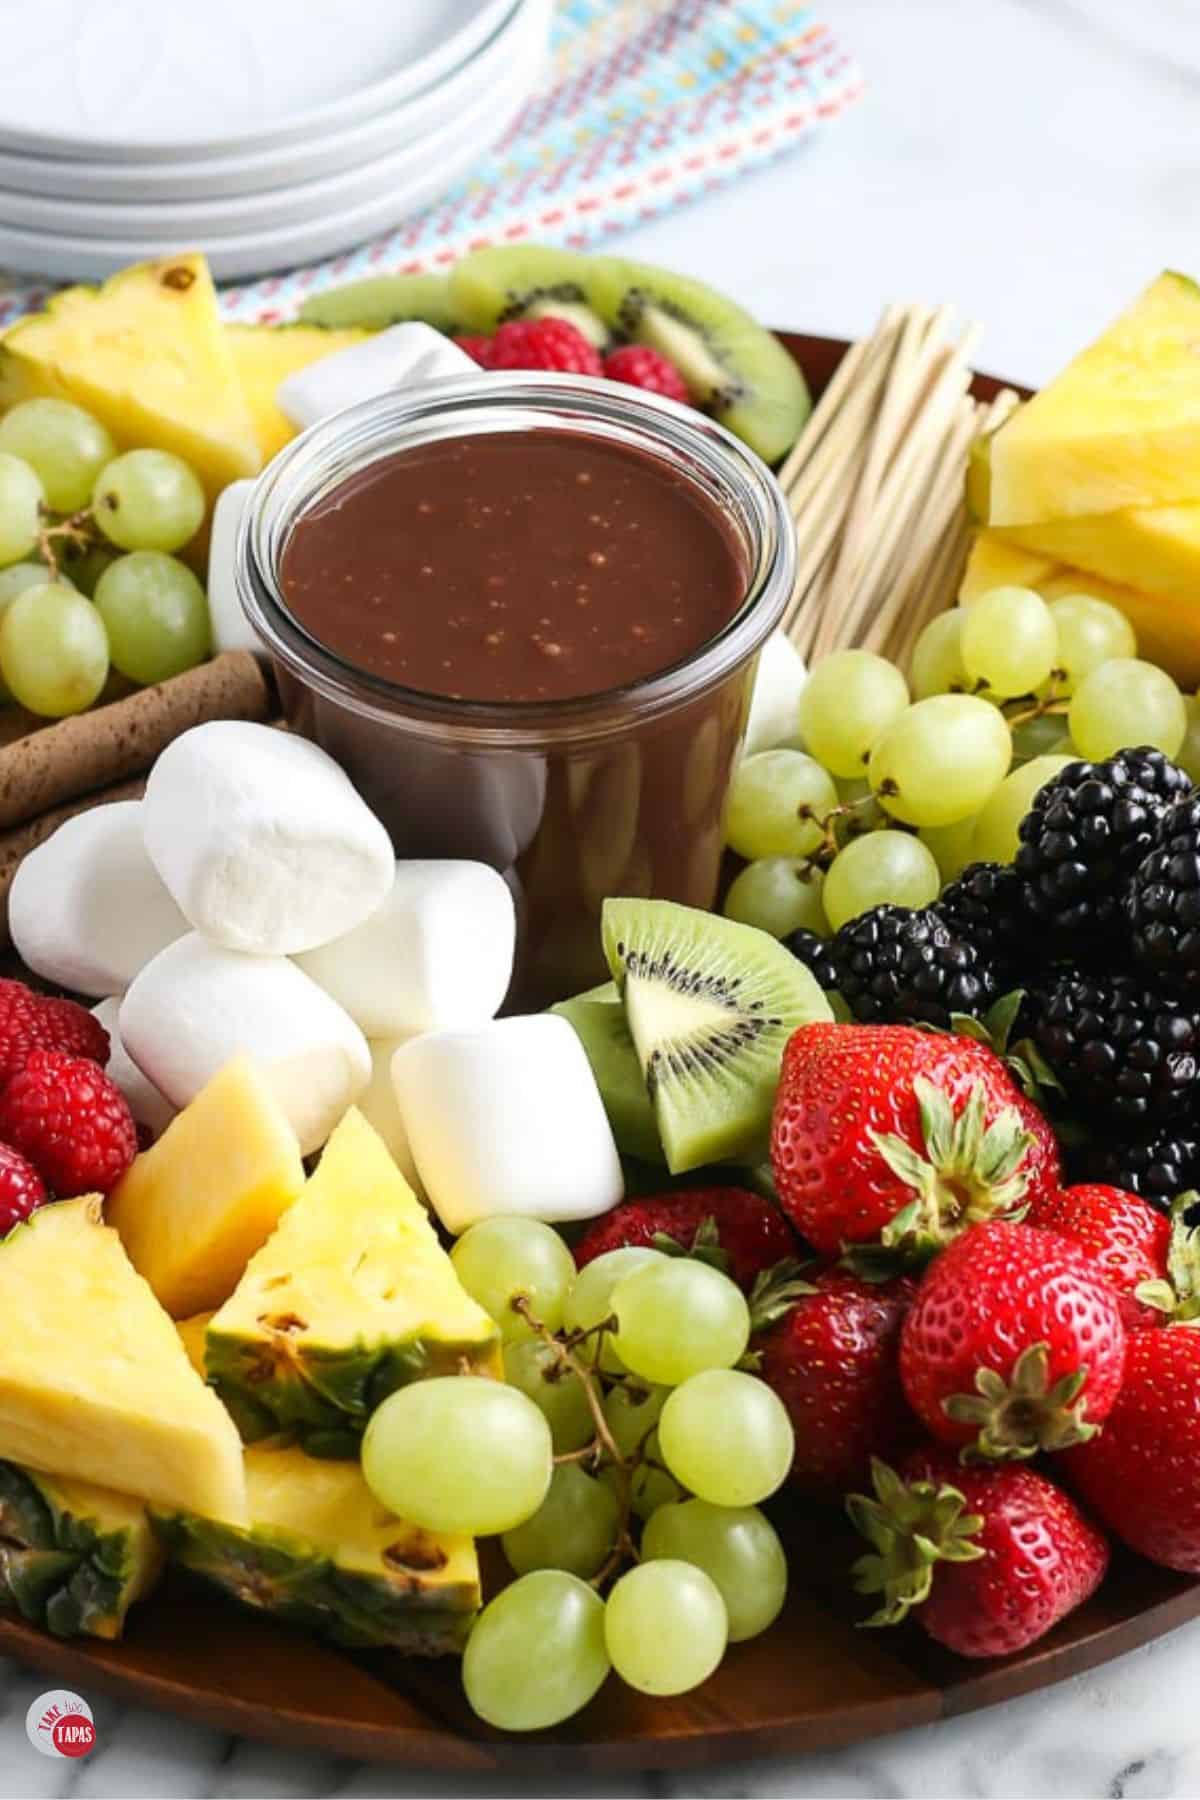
{"x":601,"y":1027}
{"x":383,"y":300}
{"x":527,"y":281}
{"x":734,"y":367}
{"x":710,"y":1006}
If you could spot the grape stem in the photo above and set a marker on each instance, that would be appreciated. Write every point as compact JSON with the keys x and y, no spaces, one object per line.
{"x":826,"y":824}
{"x":79,"y":528}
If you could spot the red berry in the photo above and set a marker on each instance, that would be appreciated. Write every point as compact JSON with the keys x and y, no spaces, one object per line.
{"x":876,"y":1121}
{"x":730,"y":1227}
{"x":641,"y":367}
{"x":1014,"y":1342}
{"x":479,"y":349}
{"x":21,"y":1189}
{"x":989,"y":1558}
{"x":834,"y":1361}
{"x":1141,"y":1475}
{"x":1124,"y":1236}
{"x":30,"y":1021}
{"x":543,"y":344}
{"x":71,"y":1121}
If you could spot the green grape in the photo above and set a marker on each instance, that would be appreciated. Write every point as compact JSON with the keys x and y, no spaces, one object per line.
{"x":652,"y":1487}
{"x":156,"y":616}
{"x":19,"y":576}
{"x":590,"y":1300}
{"x":775,"y":800}
{"x":22,"y":499}
{"x":890,"y":867}
{"x":1125,"y":703}
{"x":778,"y":894}
{"x":739,"y":1550}
{"x":677,"y":1317}
{"x":867,"y":815}
{"x":666,"y":1627}
{"x":65,"y":445}
{"x":1044,"y":736}
{"x":936,"y":665}
{"x":631,"y":1410}
{"x":849,"y":699}
{"x":727,"y":1437}
{"x":498,"y":1259}
{"x":148,"y":500}
{"x":53,"y":650}
{"x":83,"y":567}
{"x":941,"y":759}
{"x":574,"y":1528}
{"x":1090,"y":632}
{"x":951,"y":845}
{"x":458,"y":1453}
{"x":534,"y":1368}
{"x":1188,"y":754}
{"x":536,"y":1654}
{"x":1009,"y":641}
{"x":997,"y":830}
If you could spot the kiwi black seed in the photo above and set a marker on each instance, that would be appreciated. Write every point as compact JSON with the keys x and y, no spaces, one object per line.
{"x":710,"y":1005}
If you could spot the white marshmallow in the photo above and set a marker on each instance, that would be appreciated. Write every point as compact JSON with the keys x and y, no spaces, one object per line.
{"x":196,"y":1006}
{"x":775,"y":704}
{"x":147,"y":1105}
{"x":262,"y":839}
{"x":377,"y":1104}
{"x":87,"y":909}
{"x":231,"y":629}
{"x":438,"y":952}
{"x":507,"y":1118}
{"x":401,"y":356}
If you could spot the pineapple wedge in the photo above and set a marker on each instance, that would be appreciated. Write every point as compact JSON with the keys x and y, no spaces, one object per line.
{"x":148,"y":355}
{"x":319,"y":1552}
{"x":351,"y":1297}
{"x":73,"y":1557}
{"x":195,"y":1207}
{"x":94,"y":1384}
{"x":1153,"y":548}
{"x":1119,"y":427}
{"x":263,"y":356}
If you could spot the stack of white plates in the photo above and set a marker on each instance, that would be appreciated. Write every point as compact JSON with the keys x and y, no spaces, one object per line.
{"x":269,"y":133}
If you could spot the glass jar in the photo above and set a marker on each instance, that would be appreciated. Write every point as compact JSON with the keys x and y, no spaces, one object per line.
{"x":612,"y":793}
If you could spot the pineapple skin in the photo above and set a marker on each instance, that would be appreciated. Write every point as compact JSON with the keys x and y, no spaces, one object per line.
{"x":73,"y":1557}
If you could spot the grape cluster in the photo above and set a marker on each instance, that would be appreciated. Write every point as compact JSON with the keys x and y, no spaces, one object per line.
{"x":623,"y":1409}
{"x":71,"y":607}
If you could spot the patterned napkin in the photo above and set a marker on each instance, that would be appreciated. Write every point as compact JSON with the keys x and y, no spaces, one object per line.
{"x":644,"y":105}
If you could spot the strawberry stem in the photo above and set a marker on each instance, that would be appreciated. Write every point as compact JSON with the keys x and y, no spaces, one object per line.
{"x":1017,"y":1419}
{"x":912,"y":1526}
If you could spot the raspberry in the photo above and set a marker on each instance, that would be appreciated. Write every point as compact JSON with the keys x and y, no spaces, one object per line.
{"x":637,"y":365}
{"x":71,"y":1121}
{"x":21,"y":1189}
{"x":479,"y":349}
{"x":543,"y":344}
{"x":30,"y":1021}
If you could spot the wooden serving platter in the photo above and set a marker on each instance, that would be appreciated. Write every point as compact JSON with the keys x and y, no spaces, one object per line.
{"x":814,"y":1681}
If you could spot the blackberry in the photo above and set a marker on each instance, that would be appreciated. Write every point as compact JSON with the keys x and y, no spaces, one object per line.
{"x":1156,"y":1167}
{"x":1163,"y":902}
{"x":899,"y":963}
{"x":813,"y":952}
{"x":1086,"y":833}
{"x":1123,"y":1052}
{"x":988,"y":906}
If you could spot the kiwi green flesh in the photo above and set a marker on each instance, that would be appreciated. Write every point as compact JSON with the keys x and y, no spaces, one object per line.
{"x":383,"y":300}
{"x":604,"y":1034}
{"x":576,"y":312}
{"x":504,"y":282}
{"x":710,"y":1006}
{"x":734,"y":367}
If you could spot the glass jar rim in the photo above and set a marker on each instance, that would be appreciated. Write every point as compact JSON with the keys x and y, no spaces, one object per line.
{"x":328,"y":453}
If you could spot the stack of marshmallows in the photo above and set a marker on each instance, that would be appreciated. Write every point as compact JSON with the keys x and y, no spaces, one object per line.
{"x":252,"y":903}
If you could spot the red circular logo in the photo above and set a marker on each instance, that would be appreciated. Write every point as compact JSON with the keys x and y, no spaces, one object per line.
{"x":73,"y":1735}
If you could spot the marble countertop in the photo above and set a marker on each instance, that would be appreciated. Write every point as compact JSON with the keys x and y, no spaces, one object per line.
{"x":1034,"y":161}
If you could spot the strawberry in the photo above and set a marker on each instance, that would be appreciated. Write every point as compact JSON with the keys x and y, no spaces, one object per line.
{"x":991,"y":1558}
{"x":884,"y":1133}
{"x":1125,"y":1237}
{"x":833,"y":1359}
{"x":479,"y":349}
{"x":637,"y":365}
{"x":71,"y":1121}
{"x":735,"y":1230}
{"x":1043,"y":1170}
{"x":30,"y":1021}
{"x":22,"y":1189}
{"x":543,"y":344}
{"x":1014,"y":1343}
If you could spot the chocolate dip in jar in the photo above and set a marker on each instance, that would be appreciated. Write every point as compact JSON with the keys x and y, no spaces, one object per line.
{"x":524,"y":614}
